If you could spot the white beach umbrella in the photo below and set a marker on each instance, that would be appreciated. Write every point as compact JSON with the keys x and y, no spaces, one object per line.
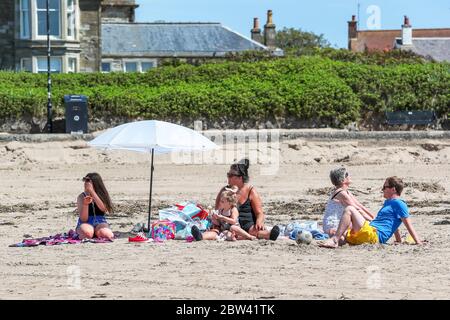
{"x":154,"y":137}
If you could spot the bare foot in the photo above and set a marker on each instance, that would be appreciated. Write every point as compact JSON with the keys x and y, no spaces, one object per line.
{"x":330,"y":243}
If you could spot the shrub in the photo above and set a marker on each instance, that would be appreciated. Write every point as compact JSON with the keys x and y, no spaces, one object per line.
{"x":313,"y":88}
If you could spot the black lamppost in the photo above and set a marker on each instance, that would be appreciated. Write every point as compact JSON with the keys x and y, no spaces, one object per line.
{"x":49,"y":77}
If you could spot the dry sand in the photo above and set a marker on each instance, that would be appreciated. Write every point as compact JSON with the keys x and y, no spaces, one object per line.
{"x":40,"y":182}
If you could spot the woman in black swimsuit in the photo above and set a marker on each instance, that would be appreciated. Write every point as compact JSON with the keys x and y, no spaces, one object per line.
{"x":251,"y":215}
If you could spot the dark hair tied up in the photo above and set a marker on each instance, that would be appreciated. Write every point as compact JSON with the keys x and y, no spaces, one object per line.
{"x":242,"y":168}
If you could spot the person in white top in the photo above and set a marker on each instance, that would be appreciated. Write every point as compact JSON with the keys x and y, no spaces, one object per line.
{"x":341,"y":198}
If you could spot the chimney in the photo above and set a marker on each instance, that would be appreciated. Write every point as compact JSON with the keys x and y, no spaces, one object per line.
{"x":352,"y":31}
{"x":256,"y":32}
{"x":269,"y":31}
{"x":353,"y":28}
{"x":406,"y":33}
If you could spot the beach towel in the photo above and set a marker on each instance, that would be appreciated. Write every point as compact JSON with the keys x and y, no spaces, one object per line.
{"x":70,"y":237}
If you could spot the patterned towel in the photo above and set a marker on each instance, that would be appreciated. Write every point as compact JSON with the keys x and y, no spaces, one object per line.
{"x":70,"y":237}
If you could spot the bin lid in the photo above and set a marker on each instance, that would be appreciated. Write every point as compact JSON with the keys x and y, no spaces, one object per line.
{"x":74,"y":97}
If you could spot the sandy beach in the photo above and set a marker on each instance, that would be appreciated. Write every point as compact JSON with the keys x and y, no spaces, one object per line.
{"x":40,"y":183}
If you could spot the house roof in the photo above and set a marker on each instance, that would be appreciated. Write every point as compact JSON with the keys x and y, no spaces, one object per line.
{"x":436,"y":48}
{"x":379,"y":40}
{"x":172,"y":40}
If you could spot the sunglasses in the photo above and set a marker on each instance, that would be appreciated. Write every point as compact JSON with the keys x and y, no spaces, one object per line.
{"x":229,"y":175}
{"x":86,"y":179}
{"x":385,"y":187}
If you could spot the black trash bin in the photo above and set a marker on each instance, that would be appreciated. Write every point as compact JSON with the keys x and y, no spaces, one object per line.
{"x":76,"y":113}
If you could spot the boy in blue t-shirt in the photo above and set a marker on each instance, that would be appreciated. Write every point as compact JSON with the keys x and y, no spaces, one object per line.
{"x":385,"y":224}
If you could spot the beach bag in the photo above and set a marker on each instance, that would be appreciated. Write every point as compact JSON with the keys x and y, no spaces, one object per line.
{"x":163,"y":230}
{"x":183,"y":222}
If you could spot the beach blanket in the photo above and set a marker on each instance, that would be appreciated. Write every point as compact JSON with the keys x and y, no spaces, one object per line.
{"x":70,"y":237}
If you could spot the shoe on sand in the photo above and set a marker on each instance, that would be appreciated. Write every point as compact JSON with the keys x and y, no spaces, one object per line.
{"x":140,"y":237}
{"x":274,"y":233}
{"x":196,"y":233}
{"x":139,"y":227}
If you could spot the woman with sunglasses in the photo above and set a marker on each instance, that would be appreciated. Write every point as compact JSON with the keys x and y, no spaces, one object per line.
{"x":340,"y":198}
{"x":92,"y":206}
{"x":251,"y":215}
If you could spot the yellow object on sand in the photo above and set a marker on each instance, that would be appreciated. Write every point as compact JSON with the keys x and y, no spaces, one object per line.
{"x":366,"y":234}
{"x":409,"y":239}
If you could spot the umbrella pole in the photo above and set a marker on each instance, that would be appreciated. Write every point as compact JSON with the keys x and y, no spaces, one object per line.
{"x":150,"y":198}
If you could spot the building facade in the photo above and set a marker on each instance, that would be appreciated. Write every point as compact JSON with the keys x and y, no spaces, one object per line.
{"x":75,"y":27}
{"x":433,"y":43}
{"x":436,"y":48}
{"x":102,"y":35}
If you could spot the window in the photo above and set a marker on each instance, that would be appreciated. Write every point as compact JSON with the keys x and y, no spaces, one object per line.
{"x":55,"y":18}
{"x":64,"y":22}
{"x":145,"y":66}
{"x":71,"y":19}
{"x":55,"y":65}
{"x":106,"y":66}
{"x":134,"y":65}
{"x":26,"y":65}
{"x":71,"y":65}
{"x":131,"y":67}
{"x":24,"y":19}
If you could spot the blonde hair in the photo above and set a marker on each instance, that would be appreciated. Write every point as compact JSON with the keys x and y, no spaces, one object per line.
{"x":230,"y":195}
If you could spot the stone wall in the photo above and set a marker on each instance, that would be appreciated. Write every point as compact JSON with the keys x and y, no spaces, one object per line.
{"x":118,"y":2}
{"x":90,"y":35}
{"x":38,"y":125}
{"x":7,"y":17}
{"x":118,"y":10}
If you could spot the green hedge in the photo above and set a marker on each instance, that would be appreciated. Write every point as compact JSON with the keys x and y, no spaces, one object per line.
{"x":305,"y":88}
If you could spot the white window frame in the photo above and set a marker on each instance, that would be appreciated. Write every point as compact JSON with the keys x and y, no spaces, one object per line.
{"x":124,"y":64}
{"x":75,"y":66}
{"x":25,"y":31}
{"x":71,"y":24}
{"x":60,"y":21}
{"x":138,"y":64}
{"x":153,"y":61}
{"x":110,"y":62}
{"x":69,"y":20}
{"x":53,"y":58}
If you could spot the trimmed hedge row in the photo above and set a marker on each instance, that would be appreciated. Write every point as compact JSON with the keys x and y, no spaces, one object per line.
{"x":305,"y":88}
